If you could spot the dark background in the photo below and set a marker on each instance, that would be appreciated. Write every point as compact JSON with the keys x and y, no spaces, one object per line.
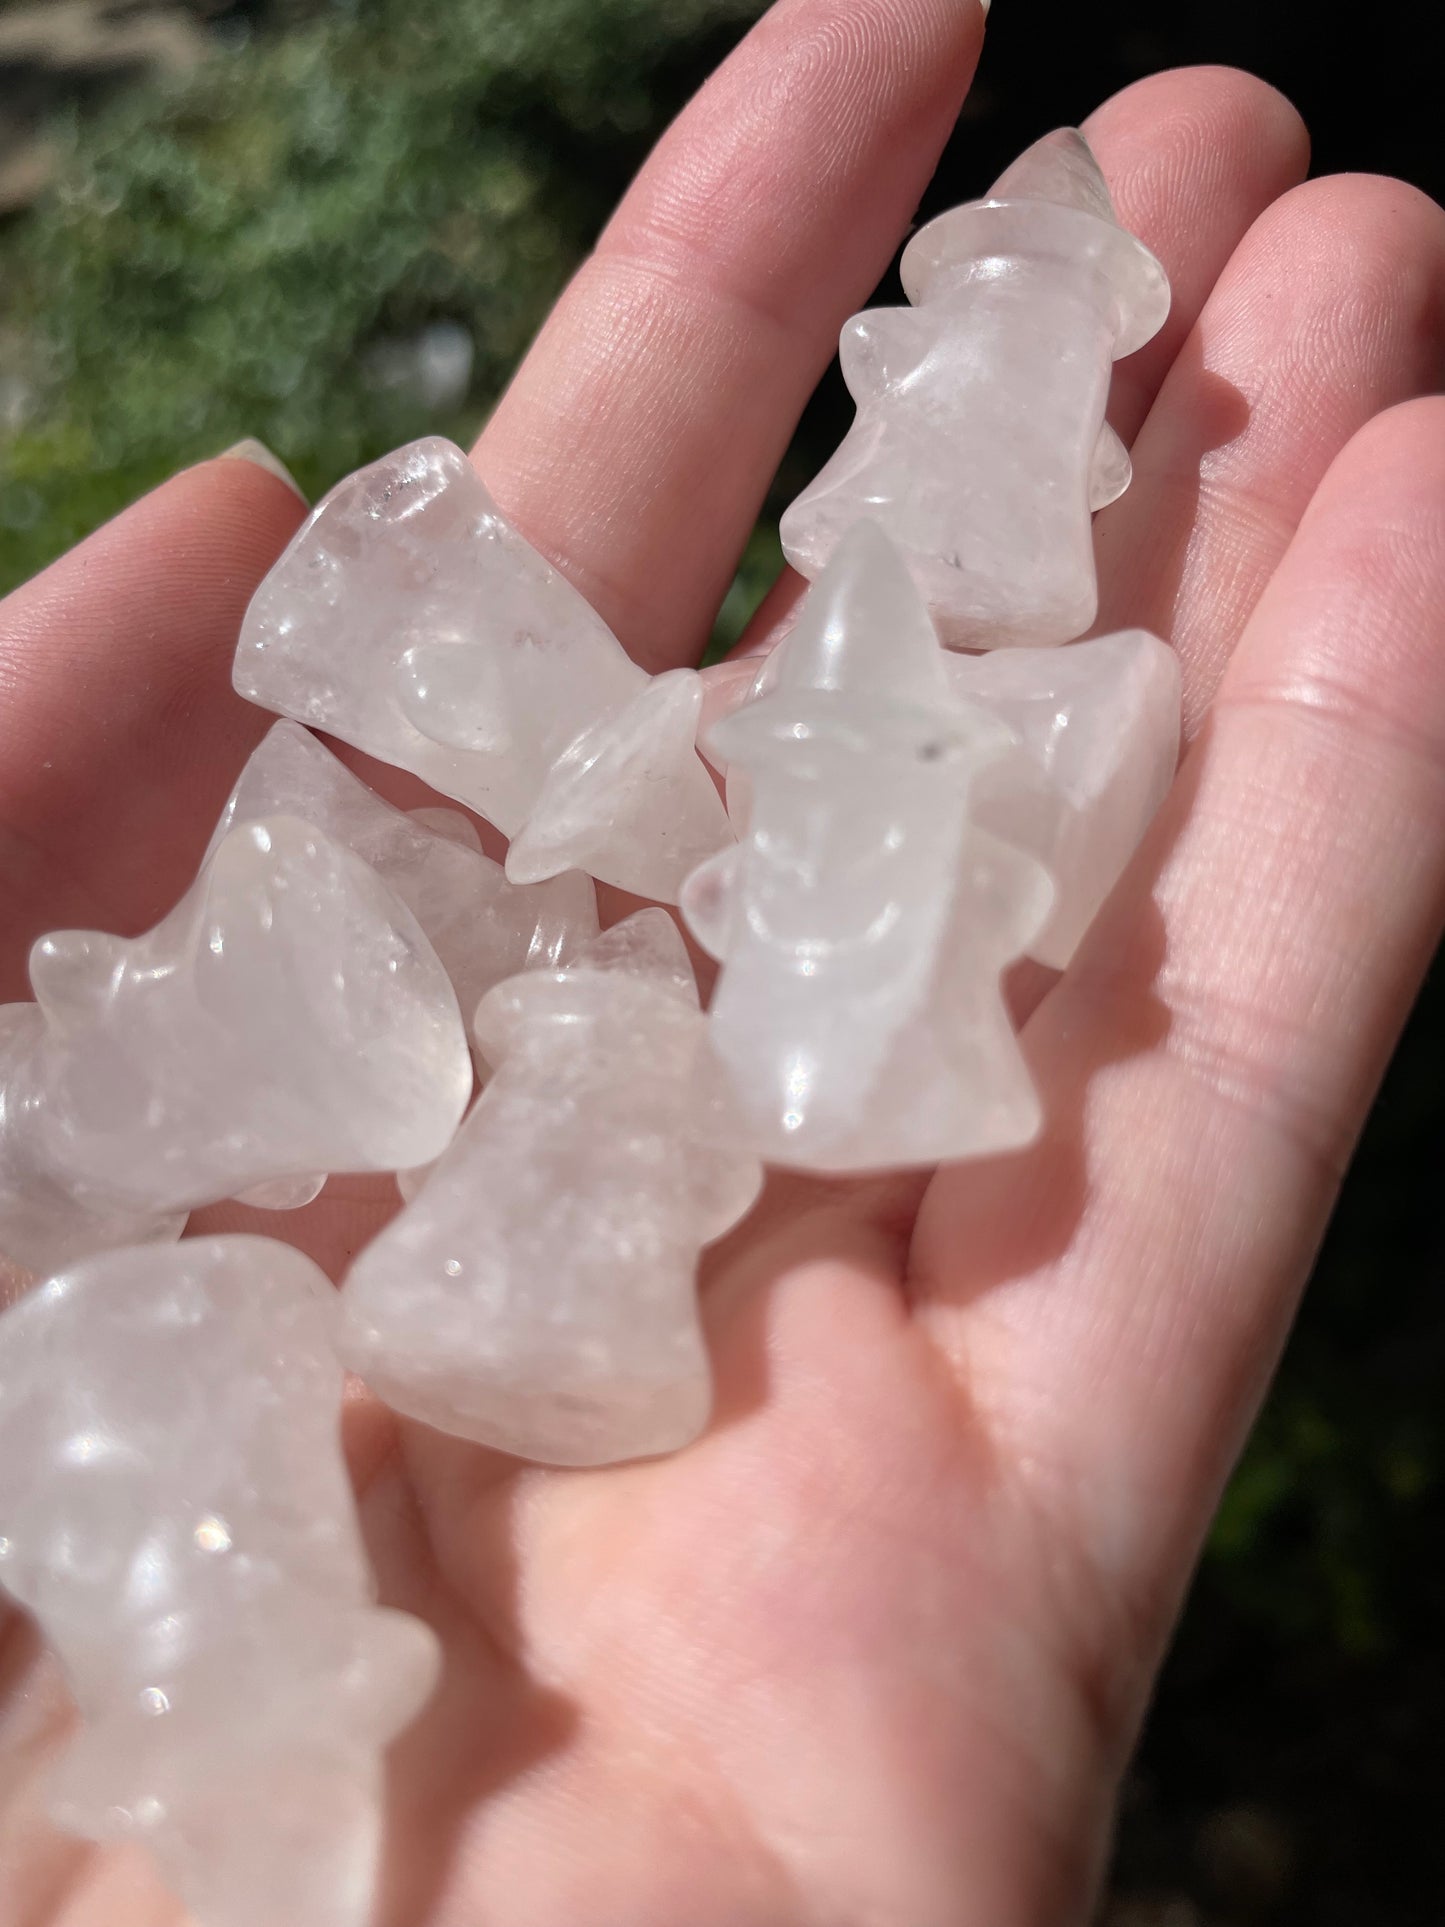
{"x":335,"y":225}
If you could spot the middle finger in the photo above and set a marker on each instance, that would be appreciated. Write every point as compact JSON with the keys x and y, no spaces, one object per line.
{"x":638,"y":439}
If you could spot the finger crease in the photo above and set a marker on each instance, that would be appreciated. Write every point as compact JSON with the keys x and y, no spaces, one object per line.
{"x":1326,"y":702}
{"x":1257,"y":1084}
{"x":683,"y":266}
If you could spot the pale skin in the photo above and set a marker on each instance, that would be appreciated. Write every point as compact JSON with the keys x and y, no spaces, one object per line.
{"x":873,"y":1652}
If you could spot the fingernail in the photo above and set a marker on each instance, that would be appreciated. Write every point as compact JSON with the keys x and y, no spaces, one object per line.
{"x":260,"y":456}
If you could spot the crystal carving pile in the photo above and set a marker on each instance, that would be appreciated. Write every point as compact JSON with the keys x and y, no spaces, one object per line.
{"x":175,"y":1511}
{"x":903,"y":821}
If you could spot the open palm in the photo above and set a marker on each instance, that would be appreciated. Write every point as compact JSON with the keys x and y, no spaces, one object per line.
{"x":873,"y":1652}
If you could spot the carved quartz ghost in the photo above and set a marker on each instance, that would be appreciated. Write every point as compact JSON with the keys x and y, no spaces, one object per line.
{"x":482,"y":927}
{"x":288,"y":1017}
{"x":980,"y":443}
{"x":175,"y":1512}
{"x":863,"y":921}
{"x":538,"y":1294}
{"x":1093,"y":741}
{"x":410,"y":619}
{"x":1097,"y":733}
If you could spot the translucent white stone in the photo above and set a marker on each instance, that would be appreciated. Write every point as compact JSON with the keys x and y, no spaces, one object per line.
{"x":287,"y":1018}
{"x":863,"y":923}
{"x":48,"y":1217}
{"x":175,"y":1511}
{"x":409,"y":618}
{"x":980,"y":443}
{"x":1098,"y":729}
{"x":726,"y":686}
{"x":539,"y":1292}
{"x":455,"y":825}
{"x":482,"y":927}
{"x":409,"y":1183}
{"x":284,"y":1194}
{"x":1096,"y":741}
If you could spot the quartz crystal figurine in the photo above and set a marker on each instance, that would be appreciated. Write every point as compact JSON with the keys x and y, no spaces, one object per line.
{"x":482,"y":927}
{"x":863,"y":921}
{"x":287,"y":1017}
{"x":48,"y":1216}
{"x":539,"y":1292}
{"x":980,"y":442}
{"x":1097,"y":726}
{"x":1095,"y":731}
{"x":175,"y":1512}
{"x":410,"y":619}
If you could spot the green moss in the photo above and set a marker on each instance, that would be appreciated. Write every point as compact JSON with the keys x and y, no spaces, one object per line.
{"x":221,"y":258}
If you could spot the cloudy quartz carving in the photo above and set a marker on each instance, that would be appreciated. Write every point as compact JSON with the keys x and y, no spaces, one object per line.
{"x":980,"y":443}
{"x":287,"y":1018}
{"x":482,"y":926}
{"x":863,"y":921}
{"x":409,"y":618}
{"x":1097,"y":734}
{"x":539,"y":1292}
{"x":176,"y":1513}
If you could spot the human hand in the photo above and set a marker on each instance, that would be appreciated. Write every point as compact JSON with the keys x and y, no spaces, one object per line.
{"x":874,"y":1650}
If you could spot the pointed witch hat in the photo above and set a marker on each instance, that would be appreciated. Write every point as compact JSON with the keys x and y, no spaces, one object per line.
{"x":1053,"y":197}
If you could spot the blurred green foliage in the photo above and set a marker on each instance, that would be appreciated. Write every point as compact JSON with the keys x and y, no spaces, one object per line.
{"x":253,"y":251}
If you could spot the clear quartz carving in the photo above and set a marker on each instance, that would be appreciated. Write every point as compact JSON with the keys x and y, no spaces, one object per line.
{"x":538,"y":1293}
{"x":410,"y":619}
{"x":863,"y":921}
{"x":1094,"y":734}
{"x":175,"y":1511}
{"x":482,"y":927}
{"x":1097,"y":727}
{"x":287,"y":1018}
{"x":980,"y":443}
{"x":48,"y":1215}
